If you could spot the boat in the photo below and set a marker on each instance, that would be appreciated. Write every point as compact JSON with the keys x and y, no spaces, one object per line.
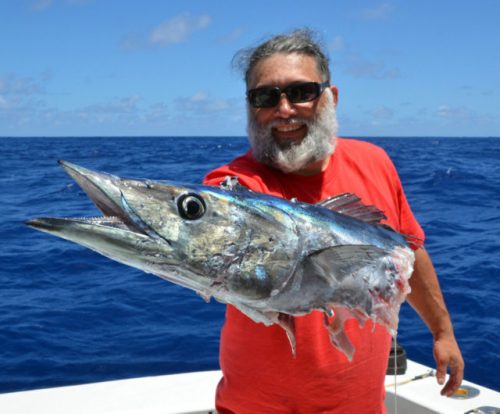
{"x":414,"y":392}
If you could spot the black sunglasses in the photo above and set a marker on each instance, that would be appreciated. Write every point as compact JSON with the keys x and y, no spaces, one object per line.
{"x":269,"y":96}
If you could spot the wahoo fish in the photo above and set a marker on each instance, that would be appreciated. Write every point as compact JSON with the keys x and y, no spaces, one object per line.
{"x":271,"y":258}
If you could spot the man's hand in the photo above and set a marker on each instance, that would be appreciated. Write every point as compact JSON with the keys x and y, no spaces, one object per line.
{"x":427,"y":299}
{"x":448,"y":356}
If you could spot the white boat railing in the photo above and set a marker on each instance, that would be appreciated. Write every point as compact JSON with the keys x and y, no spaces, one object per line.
{"x":193,"y":393}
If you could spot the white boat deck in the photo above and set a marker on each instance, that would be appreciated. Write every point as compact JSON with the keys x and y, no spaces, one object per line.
{"x":193,"y":393}
{"x":423,"y":396}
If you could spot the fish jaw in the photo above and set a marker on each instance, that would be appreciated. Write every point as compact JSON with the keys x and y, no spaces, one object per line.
{"x":119,"y":235}
{"x":229,"y":251}
{"x":107,"y":236}
{"x":103,"y":189}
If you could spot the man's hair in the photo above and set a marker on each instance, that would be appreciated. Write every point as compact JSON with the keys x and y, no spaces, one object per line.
{"x":300,"y":41}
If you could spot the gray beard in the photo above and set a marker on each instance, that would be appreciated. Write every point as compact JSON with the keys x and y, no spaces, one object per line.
{"x":318,"y":144}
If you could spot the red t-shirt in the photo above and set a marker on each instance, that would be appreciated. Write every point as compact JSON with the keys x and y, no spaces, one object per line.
{"x":260,"y":374}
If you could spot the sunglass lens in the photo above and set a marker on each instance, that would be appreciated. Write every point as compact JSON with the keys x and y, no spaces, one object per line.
{"x":304,"y":92}
{"x":264,"y":97}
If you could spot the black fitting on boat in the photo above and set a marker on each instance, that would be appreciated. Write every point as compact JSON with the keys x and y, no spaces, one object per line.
{"x":397,"y":357}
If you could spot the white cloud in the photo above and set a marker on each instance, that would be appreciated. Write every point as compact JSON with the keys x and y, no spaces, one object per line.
{"x":11,"y":84}
{"x":78,"y":2}
{"x":178,"y":29}
{"x":4,"y":104}
{"x":120,"y":110}
{"x":131,"y":41}
{"x":202,"y":104}
{"x":359,"y":67}
{"x":336,"y":44}
{"x":464,"y":117}
{"x":382,"y":11}
{"x":381,"y":113}
{"x":448,"y":112}
{"x":157,"y":113}
{"x":231,"y":36}
{"x":40,"y":5}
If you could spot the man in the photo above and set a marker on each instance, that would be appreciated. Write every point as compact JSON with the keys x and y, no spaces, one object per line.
{"x":292,"y":129}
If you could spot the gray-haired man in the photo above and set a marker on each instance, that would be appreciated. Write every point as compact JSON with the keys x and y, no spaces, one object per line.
{"x":295,"y":153}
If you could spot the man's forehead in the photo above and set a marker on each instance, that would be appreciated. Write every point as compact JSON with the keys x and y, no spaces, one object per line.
{"x":283,"y":68}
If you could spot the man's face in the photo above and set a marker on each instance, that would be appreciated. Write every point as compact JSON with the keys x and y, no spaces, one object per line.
{"x":291,"y":136}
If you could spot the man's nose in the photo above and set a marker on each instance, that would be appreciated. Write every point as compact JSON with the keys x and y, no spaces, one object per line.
{"x":285,"y":108}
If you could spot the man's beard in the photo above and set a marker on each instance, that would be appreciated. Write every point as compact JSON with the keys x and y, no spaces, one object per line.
{"x":318,"y":144}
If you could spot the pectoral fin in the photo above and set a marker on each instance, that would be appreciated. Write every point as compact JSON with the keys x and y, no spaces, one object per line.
{"x":337,"y":262}
{"x":337,"y":334}
{"x":287,"y":322}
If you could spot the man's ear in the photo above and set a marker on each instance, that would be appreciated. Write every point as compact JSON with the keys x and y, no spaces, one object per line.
{"x":335,"y":93}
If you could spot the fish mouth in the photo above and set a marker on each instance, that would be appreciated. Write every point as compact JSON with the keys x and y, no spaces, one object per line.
{"x":120,"y":234}
{"x":106,"y":192}
{"x":138,"y":226}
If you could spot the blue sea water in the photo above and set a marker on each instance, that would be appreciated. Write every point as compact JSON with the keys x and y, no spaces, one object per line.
{"x":70,"y":316}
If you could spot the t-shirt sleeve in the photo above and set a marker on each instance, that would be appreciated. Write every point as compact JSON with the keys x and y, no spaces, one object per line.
{"x":408,"y":224}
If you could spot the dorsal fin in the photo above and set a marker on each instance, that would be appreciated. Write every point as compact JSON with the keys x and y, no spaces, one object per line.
{"x":413,"y":241}
{"x":351,"y":205}
{"x":231,"y":183}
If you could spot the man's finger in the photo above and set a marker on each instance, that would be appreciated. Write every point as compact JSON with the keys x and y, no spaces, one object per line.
{"x":441,"y":372}
{"x":456,"y":376}
{"x":451,"y":386}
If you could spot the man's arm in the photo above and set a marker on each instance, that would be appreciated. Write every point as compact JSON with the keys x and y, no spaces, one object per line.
{"x":426,"y":298}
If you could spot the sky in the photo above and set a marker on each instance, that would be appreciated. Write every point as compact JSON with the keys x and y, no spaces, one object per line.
{"x":163,"y":68}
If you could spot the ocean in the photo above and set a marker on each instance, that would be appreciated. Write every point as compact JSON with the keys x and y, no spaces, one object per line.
{"x":70,"y":316}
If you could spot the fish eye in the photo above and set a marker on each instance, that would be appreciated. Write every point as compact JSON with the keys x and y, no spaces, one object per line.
{"x":191,"y":206}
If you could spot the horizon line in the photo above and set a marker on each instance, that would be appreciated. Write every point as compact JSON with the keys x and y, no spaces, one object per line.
{"x":236,"y":136}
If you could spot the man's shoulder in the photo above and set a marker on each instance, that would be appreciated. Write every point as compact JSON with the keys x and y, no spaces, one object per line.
{"x":361,"y":146}
{"x":362,"y":151}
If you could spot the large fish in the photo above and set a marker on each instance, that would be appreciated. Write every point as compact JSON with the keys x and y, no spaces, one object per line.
{"x":271,"y":258}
